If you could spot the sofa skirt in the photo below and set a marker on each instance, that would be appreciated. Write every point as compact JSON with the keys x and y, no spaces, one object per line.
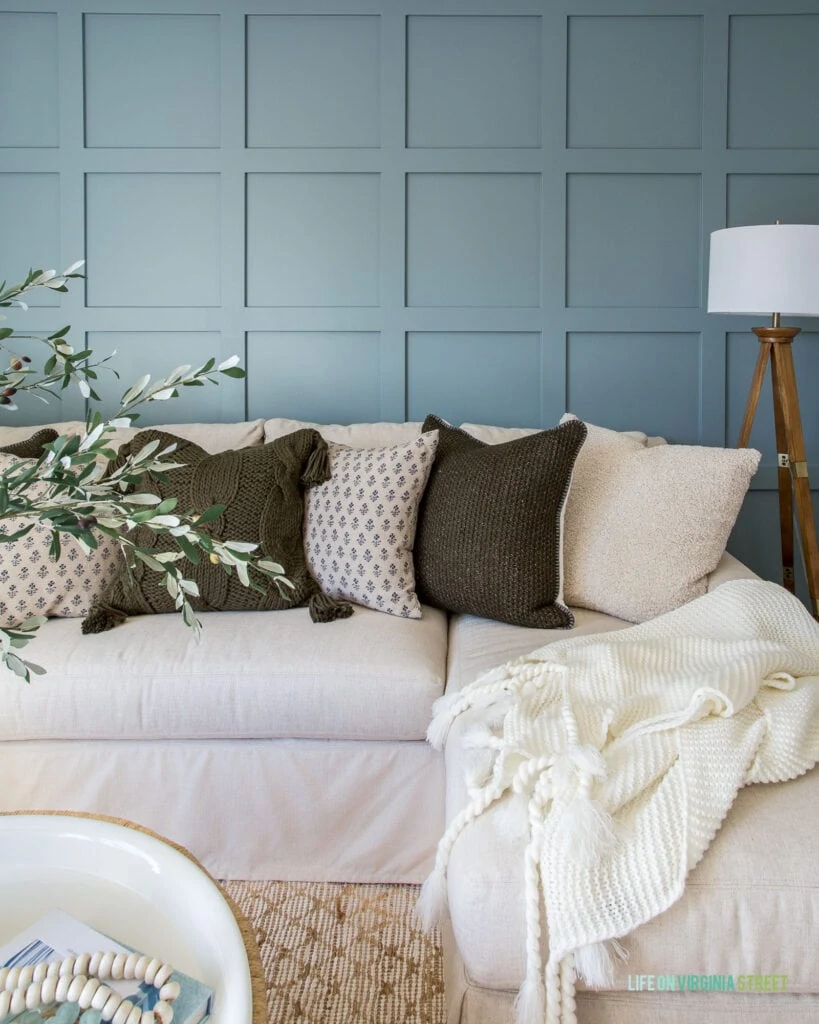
{"x":295,"y":810}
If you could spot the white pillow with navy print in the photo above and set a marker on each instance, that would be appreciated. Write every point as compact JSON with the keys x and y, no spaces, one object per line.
{"x":359,"y":526}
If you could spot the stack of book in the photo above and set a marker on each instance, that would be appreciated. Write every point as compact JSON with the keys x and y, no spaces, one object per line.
{"x":58,"y":935}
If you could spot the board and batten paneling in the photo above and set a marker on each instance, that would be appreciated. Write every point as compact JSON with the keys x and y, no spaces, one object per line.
{"x":489,"y":209}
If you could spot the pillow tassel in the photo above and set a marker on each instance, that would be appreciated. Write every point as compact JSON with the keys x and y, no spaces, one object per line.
{"x":318,"y":468}
{"x":101,"y":618}
{"x":326,"y":609}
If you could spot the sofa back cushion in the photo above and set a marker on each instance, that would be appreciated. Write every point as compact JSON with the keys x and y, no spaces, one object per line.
{"x":213,"y":437}
{"x":354,"y":435}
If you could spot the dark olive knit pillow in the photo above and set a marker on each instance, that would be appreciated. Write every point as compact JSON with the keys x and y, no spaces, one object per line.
{"x":488,"y":536}
{"x":262,"y":489}
{"x":32,"y":447}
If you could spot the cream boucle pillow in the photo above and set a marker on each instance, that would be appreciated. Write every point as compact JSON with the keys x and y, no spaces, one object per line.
{"x":31,"y":583}
{"x":359,"y":526}
{"x":646,"y":525}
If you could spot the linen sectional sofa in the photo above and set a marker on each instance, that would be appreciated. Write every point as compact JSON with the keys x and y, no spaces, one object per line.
{"x":278,"y":748}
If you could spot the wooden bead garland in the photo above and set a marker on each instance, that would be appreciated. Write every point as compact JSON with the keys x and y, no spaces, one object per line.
{"x":79,"y":979}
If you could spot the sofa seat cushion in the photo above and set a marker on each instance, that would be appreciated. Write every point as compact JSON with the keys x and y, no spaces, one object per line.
{"x":265,"y":675}
{"x":751,"y":906}
{"x":478,"y":645}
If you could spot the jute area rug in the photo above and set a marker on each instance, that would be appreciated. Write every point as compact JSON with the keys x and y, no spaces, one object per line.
{"x":343,"y":954}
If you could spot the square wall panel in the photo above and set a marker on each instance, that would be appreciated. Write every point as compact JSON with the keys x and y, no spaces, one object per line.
{"x":29,"y":69}
{"x":313,"y":239}
{"x":743,"y":348}
{"x":633,"y":240}
{"x":473,"y":81}
{"x":625,"y":381}
{"x":635,"y":82}
{"x":158,"y":353}
{"x":773,"y":81}
{"x":313,"y":80}
{"x":323,"y":377}
{"x":473,"y":240}
{"x":474,"y":377}
{"x":30,"y":233}
{"x":767,"y":198}
{"x":755,"y":538}
{"x":152,"y":80}
{"x":152,"y":239}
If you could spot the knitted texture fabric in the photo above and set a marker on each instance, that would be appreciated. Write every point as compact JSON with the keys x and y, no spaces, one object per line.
{"x":488,"y":540}
{"x":628,"y":749}
{"x":261,"y":489}
{"x":32,"y":447}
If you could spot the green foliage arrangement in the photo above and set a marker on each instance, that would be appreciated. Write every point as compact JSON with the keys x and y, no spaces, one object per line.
{"x":68,"y":488}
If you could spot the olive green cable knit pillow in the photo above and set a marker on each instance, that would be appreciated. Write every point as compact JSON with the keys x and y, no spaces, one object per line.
{"x":32,"y":447}
{"x":488,"y":540}
{"x":261,"y":487}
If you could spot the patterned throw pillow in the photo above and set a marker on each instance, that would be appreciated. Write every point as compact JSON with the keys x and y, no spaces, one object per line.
{"x":31,"y":583}
{"x":360,"y":524}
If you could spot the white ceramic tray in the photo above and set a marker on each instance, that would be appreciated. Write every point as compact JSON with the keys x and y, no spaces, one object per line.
{"x":131,"y":886}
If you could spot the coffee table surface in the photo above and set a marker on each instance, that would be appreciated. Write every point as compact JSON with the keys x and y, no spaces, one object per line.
{"x":132,"y":886}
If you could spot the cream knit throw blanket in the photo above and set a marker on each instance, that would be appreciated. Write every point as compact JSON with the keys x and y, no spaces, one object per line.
{"x":629,"y":748}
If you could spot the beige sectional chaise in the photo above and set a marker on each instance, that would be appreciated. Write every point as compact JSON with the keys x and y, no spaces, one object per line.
{"x":277,"y":748}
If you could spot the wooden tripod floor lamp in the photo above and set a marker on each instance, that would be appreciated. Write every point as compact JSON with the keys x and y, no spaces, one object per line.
{"x":755,"y":270}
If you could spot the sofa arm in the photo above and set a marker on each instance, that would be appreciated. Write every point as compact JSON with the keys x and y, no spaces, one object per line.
{"x":729,"y":568}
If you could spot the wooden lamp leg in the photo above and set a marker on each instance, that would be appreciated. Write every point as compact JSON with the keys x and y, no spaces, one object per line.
{"x":783,"y":474}
{"x":782,"y":356}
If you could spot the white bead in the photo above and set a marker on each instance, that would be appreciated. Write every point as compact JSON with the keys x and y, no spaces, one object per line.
{"x":11,"y":979}
{"x":163,"y":1011}
{"x":40,"y":972}
{"x":147,"y":1017}
{"x":170,"y":991}
{"x":94,"y":965}
{"x":123,"y":1011}
{"x":150,"y":973}
{"x":62,"y":988}
{"x":118,"y":966}
{"x":82,"y":964}
{"x":4,"y":973}
{"x":104,"y":969}
{"x":5,"y":1002}
{"x":26,"y":976}
{"x":130,"y":964}
{"x":101,"y":997}
{"x":67,"y":966}
{"x":33,"y":995}
{"x":87,"y":994}
{"x":53,"y":969}
{"x":48,"y":990}
{"x":18,"y":1001}
{"x":112,"y":1004}
{"x":74,"y":989}
{"x":141,"y":966}
{"x":162,"y":975}
{"x":135,"y":1016}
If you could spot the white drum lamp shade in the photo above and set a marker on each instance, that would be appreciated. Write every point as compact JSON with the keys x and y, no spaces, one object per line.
{"x":765,"y":268}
